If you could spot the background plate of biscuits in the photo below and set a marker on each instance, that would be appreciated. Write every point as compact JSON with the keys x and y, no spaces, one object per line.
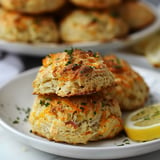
{"x":56,"y":25}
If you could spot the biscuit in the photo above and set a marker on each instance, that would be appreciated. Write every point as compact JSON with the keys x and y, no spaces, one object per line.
{"x":23,"y":28}
{"x":77,"y":119}
{"x":72,"y":72}
{"x":82,"y":26}
{"x":96,"y":3}
{"x":32,"y":6}
{"x":138,"y":15}
{"x":130,"y":89}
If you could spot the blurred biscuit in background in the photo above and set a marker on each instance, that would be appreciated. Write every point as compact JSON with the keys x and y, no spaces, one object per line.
{"x":32,"y":6}
{"x":136,"y":14}
{"x":96,"y":4}
{"x":25,"y":28}
{"x":81,"y":26}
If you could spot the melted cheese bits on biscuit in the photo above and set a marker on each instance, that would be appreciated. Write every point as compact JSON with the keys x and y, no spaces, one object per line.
{"x":72,"y":72}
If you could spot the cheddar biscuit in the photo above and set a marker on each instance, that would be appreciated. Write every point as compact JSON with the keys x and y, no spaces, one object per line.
{"x":130,"y":89}
{"x":82,"y":26}
{"x":32,"y":6}
{"x":72,"y":72}
{"x":77,"y":119}
{"x":96,"y":3}
{"x":23,"y":28}
{"x":137,"y":15}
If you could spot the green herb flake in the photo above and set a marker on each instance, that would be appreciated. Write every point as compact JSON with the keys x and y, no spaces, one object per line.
{"x":156,"y":113}
{"x":82,"y":108}
{"x":117,"y":66}
{"x":59,"y":102}
{"x":42,"y":102}
{"x":47,"y":104}
{"x":114,"y":14}
{"x":94,"y":102}
{"x":94,"y":19}
{"x":124,"y":142}
{"x":118,"y":61}
{"x":69,"y":62}
{"x":69,"y":52}
{"x":147,"y":118}
{"x":49,"y":56}
{"x":96,"y":55}
{"x":84,"y":103}
{"x":15,"y":122}
{"x":91,"y":67}
{"x":103,"y":105}
{"x":57,"y":59}
{"x":120,"y":144}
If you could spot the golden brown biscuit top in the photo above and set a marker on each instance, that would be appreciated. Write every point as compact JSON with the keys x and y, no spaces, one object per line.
{"x":22,"y":22}
{"x":74,"y":63}
{"x":115,"y":64}
{"x":122,"y":71}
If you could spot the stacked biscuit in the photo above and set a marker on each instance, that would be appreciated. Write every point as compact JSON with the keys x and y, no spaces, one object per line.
{"x":70,"y":21}
{"x":75,"y":103}
{"x":70,"y":106}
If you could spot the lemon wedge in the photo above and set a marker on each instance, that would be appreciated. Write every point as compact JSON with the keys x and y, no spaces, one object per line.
{"x":143,"y":124}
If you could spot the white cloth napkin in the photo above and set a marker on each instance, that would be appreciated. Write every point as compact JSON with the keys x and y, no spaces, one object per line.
{"x":10,"y":66}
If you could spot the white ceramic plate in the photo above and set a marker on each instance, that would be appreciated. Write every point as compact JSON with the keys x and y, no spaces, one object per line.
{"x":16,"y":97}
{"x":43,"y":49}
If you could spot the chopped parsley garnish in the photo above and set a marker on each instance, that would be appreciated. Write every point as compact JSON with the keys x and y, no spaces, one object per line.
{"x":84,"y":103}
{"x":18,"y":108}
{"x":42,"y":102}
{"x":76,"y":66}
{"x":91,"y":67}
{"x":96,"y":55}
{"x":147,"y":118}
{"x":69,"y":52}
{"x":59,"y":102}
{"x":156,"y":113}
{"x":103,"y":104}
{"x":82,"y":108}
{"x":114,"y":14}
{"x":94,"y":102}
{"x":118,"y":61}
{"x":124,"y":142}
{"x":94,"y":19}
{"x":117,"y":66}
{"x":46,"y":104}
{"x":15,"y":122}
{"x":49,"y":56}
{"x":69,"y":62}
